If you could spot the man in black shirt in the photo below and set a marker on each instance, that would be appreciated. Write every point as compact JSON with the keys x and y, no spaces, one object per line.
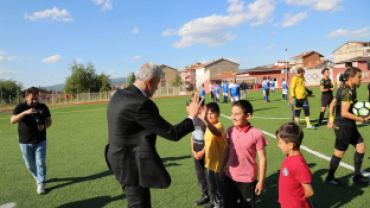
{"x":243,"y":88}
{"x":345,"y":128}
{"x":326,"y":87}
{"x":33,"y":118}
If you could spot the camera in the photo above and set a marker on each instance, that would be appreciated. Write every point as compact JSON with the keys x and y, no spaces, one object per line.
{"x":38,"y":115}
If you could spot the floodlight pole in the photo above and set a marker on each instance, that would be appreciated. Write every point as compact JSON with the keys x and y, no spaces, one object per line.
{"x":286,"y":64}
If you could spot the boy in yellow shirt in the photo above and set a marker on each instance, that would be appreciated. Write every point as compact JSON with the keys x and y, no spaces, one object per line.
{"x":298,"y":92}
{"x":214,"y":141}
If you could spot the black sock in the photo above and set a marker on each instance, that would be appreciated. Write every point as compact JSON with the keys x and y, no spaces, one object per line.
{"x":321,"y":116}
{"x":358,"y":163}
{"x":334,"y":163}
{"x":283,"y":97}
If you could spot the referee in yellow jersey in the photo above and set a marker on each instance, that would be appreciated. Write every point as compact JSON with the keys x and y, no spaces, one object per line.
{"x":298,"y":92}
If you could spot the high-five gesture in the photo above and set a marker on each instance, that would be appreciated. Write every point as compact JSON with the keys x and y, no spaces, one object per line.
{"x":194,"y":106}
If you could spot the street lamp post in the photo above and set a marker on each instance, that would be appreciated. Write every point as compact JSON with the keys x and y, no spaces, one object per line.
{"x":286,"y":64}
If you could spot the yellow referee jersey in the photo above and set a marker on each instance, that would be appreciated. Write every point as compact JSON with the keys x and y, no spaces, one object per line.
{"x":298,"y":87}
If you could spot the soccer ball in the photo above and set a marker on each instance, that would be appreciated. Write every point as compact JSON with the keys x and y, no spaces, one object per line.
{"x":361,"y":108}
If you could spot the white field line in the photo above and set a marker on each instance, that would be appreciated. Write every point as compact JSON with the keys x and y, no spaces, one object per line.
{"x":8,"y":205}
{"x":318,"y":154}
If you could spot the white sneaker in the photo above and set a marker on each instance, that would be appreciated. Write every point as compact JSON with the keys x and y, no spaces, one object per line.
{"x":40,"y":188}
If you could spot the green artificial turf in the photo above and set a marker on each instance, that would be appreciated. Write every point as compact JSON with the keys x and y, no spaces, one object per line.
{"x":77,"y":175}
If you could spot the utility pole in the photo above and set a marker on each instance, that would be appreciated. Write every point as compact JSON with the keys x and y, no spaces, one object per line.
{"x":286,"y":64}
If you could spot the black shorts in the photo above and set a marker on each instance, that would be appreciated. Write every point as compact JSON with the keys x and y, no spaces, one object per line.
{"x":302,"y":103}
{"x":326,"y":99}
{"x":346,"y":133}
{"x":267,"y":92}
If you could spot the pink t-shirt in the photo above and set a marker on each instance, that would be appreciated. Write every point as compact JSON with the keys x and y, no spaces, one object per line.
{"x":244,"y":144}
{"x":294,"y":171}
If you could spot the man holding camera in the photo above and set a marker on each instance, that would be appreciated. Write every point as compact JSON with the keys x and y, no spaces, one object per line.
{"x":33,"y":118}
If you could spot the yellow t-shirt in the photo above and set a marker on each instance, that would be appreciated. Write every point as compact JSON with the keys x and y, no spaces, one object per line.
{"x":298,"y":87}
{"x":214,"y":147}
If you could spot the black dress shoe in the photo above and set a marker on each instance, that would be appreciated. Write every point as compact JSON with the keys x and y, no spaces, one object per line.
{"x":318,"y":124}
{"x":209,"y":205}
{"x":203,"y":200}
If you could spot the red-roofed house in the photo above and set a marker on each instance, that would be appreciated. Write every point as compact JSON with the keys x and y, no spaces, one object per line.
{"x":306,"y":60}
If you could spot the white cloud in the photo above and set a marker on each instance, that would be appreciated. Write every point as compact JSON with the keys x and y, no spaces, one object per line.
{"x":270,"y":47}
{"x":3,"y":53}
{"x":233,"y":60}
{"x":364,"y":32}
{"x":272,"y":33}
{"x":8,"y":72}
{"x":235,"y":6}
{"x":53,"y":59}
{"x":212,"y":31}
{"x":136,"y":57}
{"x":135,"y":30}
{"x":13,"y":58}
{"x":78,"y":60}
{"x":203,"y":61}
{"x":293,"y":20}
{"x":270,"y":20}
{"x":111,"y":72}
{"x":106,"y":4}
{"x":250,"y":48}
{"x":167,"y":32}
{"x":1,"y":58}
{"x":319,"y":5}
{"x":276,"y":24}
{"x":330,"y":58}
{"x":50,"y":14}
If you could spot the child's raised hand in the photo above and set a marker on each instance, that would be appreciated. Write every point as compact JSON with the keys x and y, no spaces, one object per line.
{"x":203,"y":114}
{"x":260,"y":187}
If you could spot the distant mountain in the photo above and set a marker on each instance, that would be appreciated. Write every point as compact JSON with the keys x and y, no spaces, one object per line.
{"x":114,"y":82}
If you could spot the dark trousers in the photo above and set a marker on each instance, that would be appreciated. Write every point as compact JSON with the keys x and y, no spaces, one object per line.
{"x":201,"y":171}
{"x":238,"y":190}
{"x":137,"y":197}
{"x":216,"y":187}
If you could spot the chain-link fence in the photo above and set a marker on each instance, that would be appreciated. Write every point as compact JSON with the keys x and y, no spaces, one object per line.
{"x":70,"y":99}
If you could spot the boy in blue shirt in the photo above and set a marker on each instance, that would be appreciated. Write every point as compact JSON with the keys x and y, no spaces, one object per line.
{"x":225,"y":90}
{"x":217,"y":92}
{"x":285,"y":89}
{"x":272,"y":85}
{"x":265,"y":87}
{"x":234,"y":91}
{"x":203,"y":92}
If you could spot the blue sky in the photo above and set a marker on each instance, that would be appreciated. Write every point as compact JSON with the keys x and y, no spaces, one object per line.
{"x":40,"y":39}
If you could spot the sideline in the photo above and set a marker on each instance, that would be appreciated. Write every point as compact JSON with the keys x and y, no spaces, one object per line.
{"x":317,"y":154}
{"x":8,"y":205}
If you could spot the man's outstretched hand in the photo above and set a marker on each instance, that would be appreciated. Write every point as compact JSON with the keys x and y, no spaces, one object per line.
{"x":194,"y":106}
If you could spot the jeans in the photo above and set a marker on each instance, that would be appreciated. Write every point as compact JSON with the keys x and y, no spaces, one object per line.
{"x":216,"y":187}
{"x":242,"y":95}
{"x":34,"y":156}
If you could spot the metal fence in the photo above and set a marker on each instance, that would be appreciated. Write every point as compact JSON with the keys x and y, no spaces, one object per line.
{"x":69,"y":99}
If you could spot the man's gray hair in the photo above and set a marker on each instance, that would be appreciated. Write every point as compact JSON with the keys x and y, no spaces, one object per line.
{"x":148,"y":70}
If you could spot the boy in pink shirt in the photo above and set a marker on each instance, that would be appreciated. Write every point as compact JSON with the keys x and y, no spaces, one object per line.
{"x":295,"y":179}
{"x":243,"y":142}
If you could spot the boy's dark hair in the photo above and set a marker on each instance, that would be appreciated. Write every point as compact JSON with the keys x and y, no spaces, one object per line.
{"x":32,"y":90}
{"x":290,"y":132}
{"x":213,"y":107}
{"x":299,"y":70}
{"x":323,"y":71}
{"x":263,"y":78}
{"x":245,"y":105}
{"x":350,"y":72}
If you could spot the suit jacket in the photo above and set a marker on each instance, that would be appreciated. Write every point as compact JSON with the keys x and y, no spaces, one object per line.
{"x":133,"y":124}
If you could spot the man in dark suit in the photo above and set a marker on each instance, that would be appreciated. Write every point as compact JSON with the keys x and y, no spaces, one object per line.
{"x":133,"y":124}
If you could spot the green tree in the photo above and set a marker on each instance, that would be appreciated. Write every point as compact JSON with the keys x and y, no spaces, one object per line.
{"x":104,"y":82}
{"x":82,"y":79}
{"x":177,"y":81}
{"x":132,"y":79}
{"x":10,"y":88}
